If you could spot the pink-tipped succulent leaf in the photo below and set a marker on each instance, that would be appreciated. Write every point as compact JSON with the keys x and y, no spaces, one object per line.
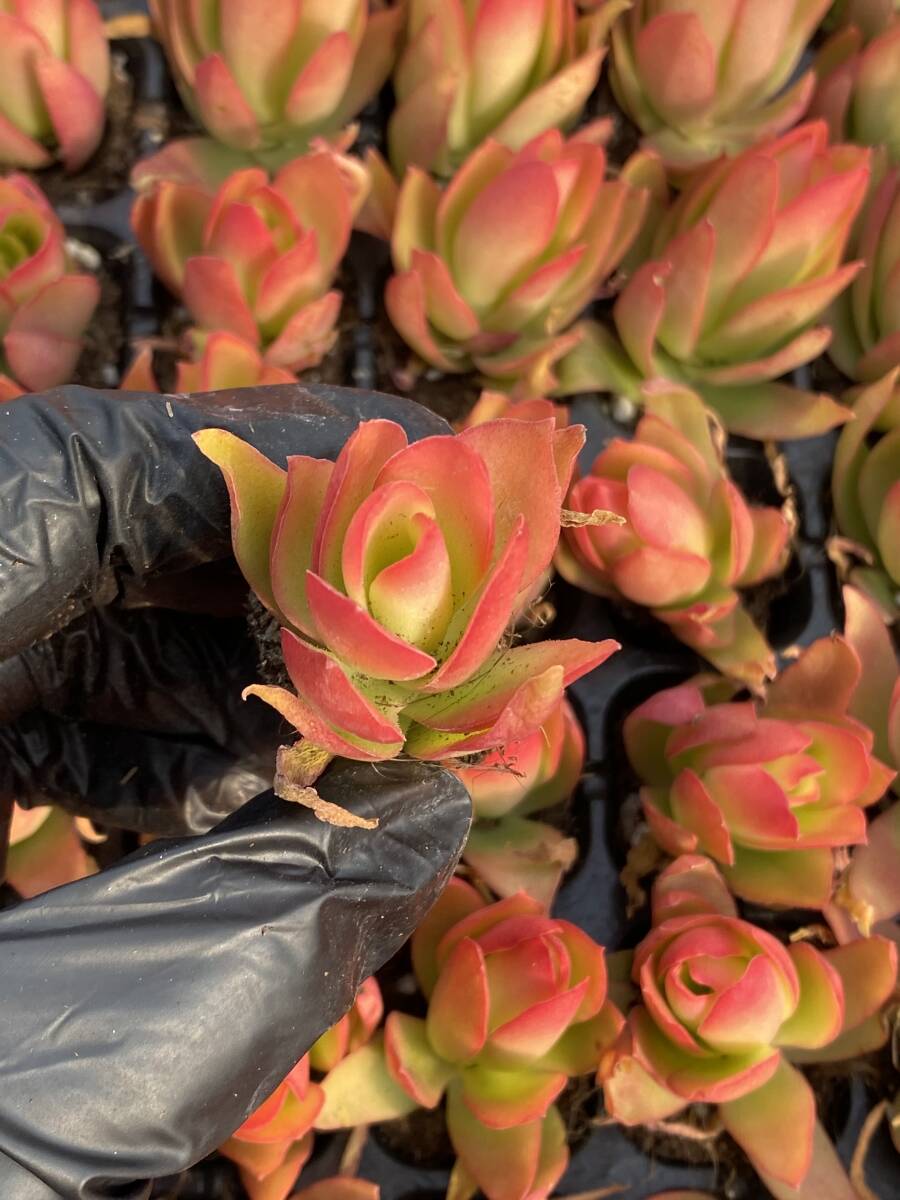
{"x":689,"y":538}
{"x":45,"y":850}
{"x":507,"y":69}
{"x":396,"y":572}
{"x":508,"y":851}
{"x":516,"y":1006}
{"x":723,"y":1005}
{"x":745,"y":262}
{"x":269,"y":81}
{"x":865,"y":486}
{"x":769,"y":790}
{"x":492,"y":270}
{"x":55,"y":70}
{"x":702,"y":80}
{"x":44,"y":309}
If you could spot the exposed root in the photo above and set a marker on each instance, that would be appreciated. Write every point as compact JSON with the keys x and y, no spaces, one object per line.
{"x":569,"y":519}
{"x":297,"y":768}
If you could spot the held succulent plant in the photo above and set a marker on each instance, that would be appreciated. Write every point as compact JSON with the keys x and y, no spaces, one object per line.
{"x":56,"y":72}
{"x":856,"y":91}
{"x":866,"y":318}
{"x":723,"y":1009}
{"x":745,"y":261}
{"x":493,"y":270}
{"x":769,"y":790}
{"x":689,"y":539}
{"x":506,"y":69}
{"x":272,"y":1145}
{"x":509,"y":852}
{"x":865,"y":487}
{"x":516,"y":1006}
{"x":44,"y":309}
{"x":705,"y":79}
{"x":225,"y":362}
{"x":396,"y":573}
{"x":256,"y":258}
{"x":268,"y":82}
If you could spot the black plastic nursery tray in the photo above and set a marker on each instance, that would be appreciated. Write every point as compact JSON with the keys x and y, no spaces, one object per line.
{"x":412,"y":1162}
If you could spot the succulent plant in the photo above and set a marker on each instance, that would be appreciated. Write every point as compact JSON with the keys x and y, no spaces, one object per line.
{"x":768,"y":789}
{"x":865,"y":487}
{"x":516,"y":1006}
{"x":856,"y":86}
{"x":396,"y":572}
{"x":46,"y":849}
{"x":745,"y":261}
{"x":506,"y":69}
{"x":44,"y":308}
{"x":866,"y":318}
{"x":225,"y":362}
{"x":256,"y":258}
{"x":508,"y":851}
{"x":268,"y":83}
{"x":272,"y":1145}
{"x":869,"y":892}
{"x":705,"y":79}
{"x":492,"y":270}
{"x":724,"y":1007}
{"x":689,"y":538}
{"x":53,"y":100}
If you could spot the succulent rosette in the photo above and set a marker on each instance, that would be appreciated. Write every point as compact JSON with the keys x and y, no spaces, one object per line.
{"x":865,"y":487}
{"x":268,"y":82}
{"x":507,"y":69}
{"x":856,"y":88}
{"x":256,"y":258}
{"x":396,"y":572}
{"x":44,"y":308}
{"x":517,"y":1005}
{"x":56,"y":73}
{"x":492,"y":270}
{"x":46,"y":849}
{"x":705,"y":79}
{"x":272,"y":1145}
{"x":689,"y":539}
{"x":866,"y":318}
{"x":744,"y":263}
{"x":508,"y":851}
{"x":769,"y":790}
{"x":724,"y":1007}
{"x":225,"y":362}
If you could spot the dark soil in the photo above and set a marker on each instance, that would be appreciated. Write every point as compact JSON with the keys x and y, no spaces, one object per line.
{"x":100,"y":365}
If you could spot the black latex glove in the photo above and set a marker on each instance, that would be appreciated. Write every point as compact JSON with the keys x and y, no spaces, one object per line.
{"x":145,"y":1011}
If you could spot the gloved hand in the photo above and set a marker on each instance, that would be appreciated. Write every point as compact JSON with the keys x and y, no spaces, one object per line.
{"x":145,"y":1011}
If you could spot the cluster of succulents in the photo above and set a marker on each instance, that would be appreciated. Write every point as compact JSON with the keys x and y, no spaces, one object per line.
{"x":710,"y":283}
